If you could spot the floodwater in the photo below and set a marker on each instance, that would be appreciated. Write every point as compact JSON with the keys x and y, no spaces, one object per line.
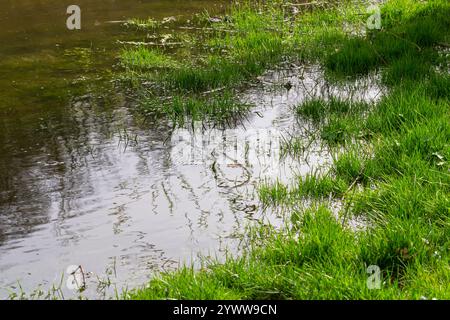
{"x":83,"y":181}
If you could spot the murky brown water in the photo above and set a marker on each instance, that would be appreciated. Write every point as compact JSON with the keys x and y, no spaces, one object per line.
{"x":83,"y":182}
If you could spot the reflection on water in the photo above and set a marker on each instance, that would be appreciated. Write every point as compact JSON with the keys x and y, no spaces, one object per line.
{"x":84,"y":182}
{"x":78,"y":177}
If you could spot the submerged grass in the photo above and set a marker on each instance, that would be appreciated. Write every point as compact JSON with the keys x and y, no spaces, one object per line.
{"x":223,"y":107}
{"x":399,"y":181}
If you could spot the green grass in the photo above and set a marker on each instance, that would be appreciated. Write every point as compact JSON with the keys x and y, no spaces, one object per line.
{"x":220,"y":108}
{"x":144,"y":59}
{"x":350,"y":166}
{"x":355,"y":57}
{"x":292,"y":146}
{"x":407,"y":68}
{"x":402,"y":48}
{"x":215,"y":74}
{"x":336,"y":118}
{"x":274,"y":194}
{"x":392,"y":167}
{"x":318,"y":109}
{"x":312,"y":186}
{"x":319,"y":187}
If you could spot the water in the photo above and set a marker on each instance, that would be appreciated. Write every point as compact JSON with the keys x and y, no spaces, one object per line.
{"x":85,"y":182}
{"x":74,"y":188}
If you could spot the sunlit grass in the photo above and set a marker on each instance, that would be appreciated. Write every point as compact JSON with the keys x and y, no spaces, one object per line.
{"x":144,"y":59}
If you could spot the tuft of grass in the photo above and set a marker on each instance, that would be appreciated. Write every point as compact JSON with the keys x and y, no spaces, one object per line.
{"x":350,"y":167}
{"x":355,"y":57}
{"x":407,"y":68}
{"x":311,"y":186}
{"x":438,"y":87}
{"x":144,"y":59}
{"x":292,"y":146}
{"x":217,"y":108}
{"x":406,"y":105}
{"x":339,"y":130}
{"x":427,"y":30}
{"x":192,"y":79}
{"x":336,"y":117}
{"x":315,"y":186}
{"x":273,"y":194}
{"x":390,"y":46}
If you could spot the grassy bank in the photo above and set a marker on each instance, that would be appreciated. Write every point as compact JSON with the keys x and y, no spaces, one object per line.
{"x":391,"y":163}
